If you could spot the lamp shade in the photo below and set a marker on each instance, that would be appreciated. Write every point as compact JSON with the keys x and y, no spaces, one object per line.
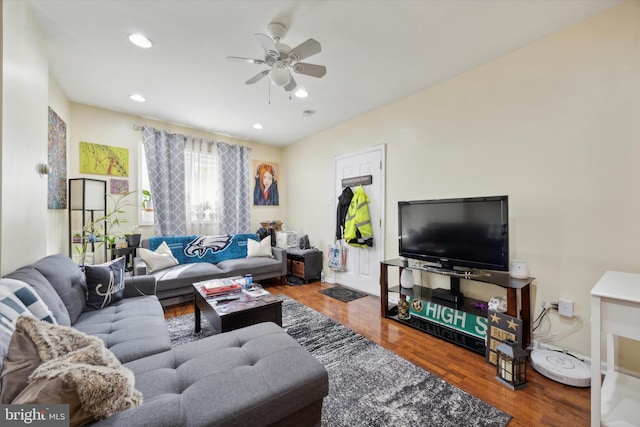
{"x":280,"y":75}
{"x":406,"y":278}
{"x":87,"y":194}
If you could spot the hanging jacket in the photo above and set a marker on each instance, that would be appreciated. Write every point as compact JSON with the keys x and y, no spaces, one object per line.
{"x":358,"y":230}
{"x":343,"y":208}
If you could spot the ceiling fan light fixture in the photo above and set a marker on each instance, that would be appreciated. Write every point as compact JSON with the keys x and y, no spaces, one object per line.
{"x":301,"y":93}
{"x":140,"y":41}
{"x":257,"y":126}
{"x":280,"y":75}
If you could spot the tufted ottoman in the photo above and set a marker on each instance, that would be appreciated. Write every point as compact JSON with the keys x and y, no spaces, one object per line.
{"x":253,"y":376}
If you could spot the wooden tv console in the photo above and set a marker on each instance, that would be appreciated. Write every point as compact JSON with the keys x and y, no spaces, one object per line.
{"x":512,"y":285}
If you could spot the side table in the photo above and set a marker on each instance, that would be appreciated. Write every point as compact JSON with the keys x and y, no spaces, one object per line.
{"x":129,"y":254}
{"x":304,"y":263}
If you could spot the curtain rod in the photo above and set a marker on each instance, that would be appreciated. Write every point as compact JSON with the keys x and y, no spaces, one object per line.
{"x":138,"y":127}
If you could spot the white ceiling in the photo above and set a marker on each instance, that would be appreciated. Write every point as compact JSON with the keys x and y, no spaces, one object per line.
{"x":376,"y":52}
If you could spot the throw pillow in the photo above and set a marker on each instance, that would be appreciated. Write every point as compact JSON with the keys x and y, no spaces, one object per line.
{"x":28,"y":296}
{"x":10,"y":309}
{"x":58,"y":364}
{"x":258,"y":249}
{"x":105,"y":283}
{"x":159,"y":259}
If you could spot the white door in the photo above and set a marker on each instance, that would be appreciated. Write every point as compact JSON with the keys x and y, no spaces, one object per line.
{"x":363,"y":264}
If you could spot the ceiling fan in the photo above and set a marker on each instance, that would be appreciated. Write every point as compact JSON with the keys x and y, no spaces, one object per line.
{"x":282,"y":59}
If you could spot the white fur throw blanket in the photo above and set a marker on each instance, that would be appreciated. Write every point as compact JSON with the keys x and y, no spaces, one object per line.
{"x":77,"y":368}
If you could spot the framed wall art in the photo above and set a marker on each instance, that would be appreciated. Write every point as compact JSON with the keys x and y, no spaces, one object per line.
{"x":265,"y":190}
{"x":103,"y":159}
{"x":57,"y":160}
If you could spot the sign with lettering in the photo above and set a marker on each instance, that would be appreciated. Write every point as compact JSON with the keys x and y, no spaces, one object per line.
{"x":458,"y":320}
{"x":501,"y":327}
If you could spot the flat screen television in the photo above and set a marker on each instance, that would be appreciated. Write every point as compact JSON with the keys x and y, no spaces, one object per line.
{"x":466,"y":232}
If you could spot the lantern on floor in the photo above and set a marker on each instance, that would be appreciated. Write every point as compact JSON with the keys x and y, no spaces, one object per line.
{"x":511,"y":367}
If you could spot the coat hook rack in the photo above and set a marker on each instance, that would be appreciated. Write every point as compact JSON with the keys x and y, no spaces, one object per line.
{"x":357,"y":180}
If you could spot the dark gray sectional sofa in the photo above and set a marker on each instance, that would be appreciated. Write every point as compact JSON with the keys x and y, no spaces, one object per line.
{"x":253,"y":376}
{"x":174,"y":283}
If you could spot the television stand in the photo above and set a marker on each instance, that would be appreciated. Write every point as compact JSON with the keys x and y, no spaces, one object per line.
{"x":447,"y":297}
{"x":439,"y":302}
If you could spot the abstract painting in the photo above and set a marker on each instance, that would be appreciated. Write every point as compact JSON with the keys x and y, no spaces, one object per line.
{"x":57,"y":160}
{"x":103,"y":159}
{"x":119,"y":186}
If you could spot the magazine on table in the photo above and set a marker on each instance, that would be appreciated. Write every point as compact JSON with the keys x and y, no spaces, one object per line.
{"x":255,"y":292}
{"x":221,"y":286}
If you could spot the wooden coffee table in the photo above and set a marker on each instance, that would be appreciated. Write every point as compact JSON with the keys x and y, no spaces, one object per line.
{"x":227,"y":316}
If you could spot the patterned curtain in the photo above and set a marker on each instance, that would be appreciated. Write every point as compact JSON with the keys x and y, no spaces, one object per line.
{"x":165,"y":164}
{"x":234,"y":170}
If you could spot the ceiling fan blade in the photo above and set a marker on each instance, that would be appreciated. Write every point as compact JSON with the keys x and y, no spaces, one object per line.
{"x":253,"y":61}
{"x":257,"y":77}
{"x":304,"y":50}
{"x":268,"y":45}
{"x":291,"y":85}
{"x":312,"y":70}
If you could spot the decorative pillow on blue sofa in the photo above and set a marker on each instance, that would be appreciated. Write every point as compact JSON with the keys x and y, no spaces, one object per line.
{"x":105,"y":283}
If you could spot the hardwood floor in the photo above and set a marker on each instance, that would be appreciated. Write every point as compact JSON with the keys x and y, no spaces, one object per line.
{"x":543,"y":403}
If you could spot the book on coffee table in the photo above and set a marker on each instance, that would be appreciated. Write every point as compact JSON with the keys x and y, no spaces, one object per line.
{"x":221,"y":286}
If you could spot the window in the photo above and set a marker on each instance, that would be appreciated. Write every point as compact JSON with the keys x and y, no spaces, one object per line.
{"x":202,"y":187}
{"x":145,"y":198}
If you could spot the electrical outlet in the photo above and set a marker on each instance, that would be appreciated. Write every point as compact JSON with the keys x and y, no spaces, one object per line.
{"x":565,"y":307}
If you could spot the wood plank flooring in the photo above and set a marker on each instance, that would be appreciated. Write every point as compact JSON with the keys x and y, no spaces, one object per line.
{"x":543,"y":403}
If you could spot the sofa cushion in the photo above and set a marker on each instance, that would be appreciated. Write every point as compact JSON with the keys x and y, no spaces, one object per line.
{"x":159,"y":259}
{"x":131,"y":328}
{"x":105,"y":283}
{"x":73,"y":368}
{"x":42,"y":286}
{"x":181,"y":276}
{"x":255,"y":266}
{"x":237,"y":376}
{"x":258,"y":249}
{"x":67,"y":280}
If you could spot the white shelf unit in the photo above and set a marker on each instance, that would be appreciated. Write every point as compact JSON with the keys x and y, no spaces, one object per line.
{"x":615,"y":307}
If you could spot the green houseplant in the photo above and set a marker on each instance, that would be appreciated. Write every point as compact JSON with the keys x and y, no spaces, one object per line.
{"x":100,"y":230}
{"x":146,"y":200}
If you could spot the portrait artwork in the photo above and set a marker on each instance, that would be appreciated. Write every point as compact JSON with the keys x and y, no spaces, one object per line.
{"x":265,"y":190}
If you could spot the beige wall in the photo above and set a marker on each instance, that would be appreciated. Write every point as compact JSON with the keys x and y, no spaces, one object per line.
{"x":23,"y":218}
{"x":102,"y":126}
{"x":554,"y":125}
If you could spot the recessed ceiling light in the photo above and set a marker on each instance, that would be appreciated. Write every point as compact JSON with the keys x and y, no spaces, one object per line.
{"x":301,"y":93}
{"x":140,"y":41}
{"x":137,"y":97}
{"x":257,"y":126}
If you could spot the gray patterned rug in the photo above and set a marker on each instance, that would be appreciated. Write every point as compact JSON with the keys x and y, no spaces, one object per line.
{"x":368,"y":384}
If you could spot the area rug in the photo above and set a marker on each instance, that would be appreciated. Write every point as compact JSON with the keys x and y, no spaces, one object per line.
{"x":343,"y":294}
{"x":368,"y":384}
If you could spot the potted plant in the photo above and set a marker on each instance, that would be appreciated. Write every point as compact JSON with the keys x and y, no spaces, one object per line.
{"x":133,"y":237}
{"x":146,"y":201}
{"x":99,"y":231}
